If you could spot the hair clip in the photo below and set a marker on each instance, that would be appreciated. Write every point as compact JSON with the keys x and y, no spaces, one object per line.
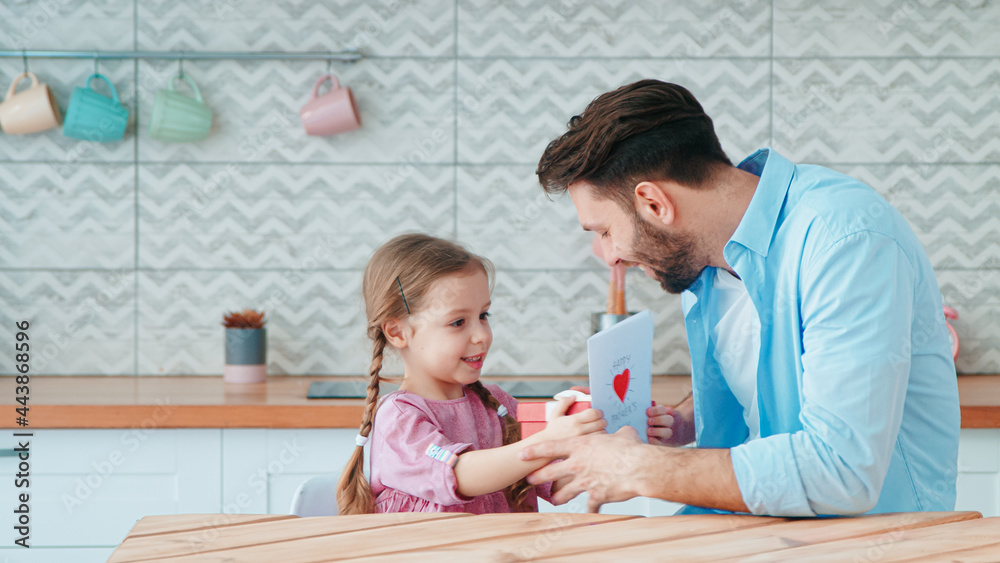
{"x":360,"y":440}
{"x":502,"y":411}
{"x":405,"y":304}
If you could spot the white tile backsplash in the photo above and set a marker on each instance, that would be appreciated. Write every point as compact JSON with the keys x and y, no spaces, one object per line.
{"x":848,"y":28}
{"x":458,"y":99}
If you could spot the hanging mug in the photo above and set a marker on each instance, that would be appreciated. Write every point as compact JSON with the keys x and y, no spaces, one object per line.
{"x":332,"y":113}
{"x":31,"y":110}
{"x":178,"y":117}
{"x":93,"y":117}
{"x":952,"y":314}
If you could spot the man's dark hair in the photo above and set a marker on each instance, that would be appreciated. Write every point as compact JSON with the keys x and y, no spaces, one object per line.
{"x":645,"y":131}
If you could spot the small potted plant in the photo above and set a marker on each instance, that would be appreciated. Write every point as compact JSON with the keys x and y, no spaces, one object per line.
{"x":246,"y":347}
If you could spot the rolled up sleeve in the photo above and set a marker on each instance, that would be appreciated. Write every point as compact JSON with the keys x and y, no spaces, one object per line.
{"x":856,"y":312}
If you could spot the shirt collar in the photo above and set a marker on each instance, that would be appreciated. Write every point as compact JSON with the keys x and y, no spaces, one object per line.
{"x":756,"y":229}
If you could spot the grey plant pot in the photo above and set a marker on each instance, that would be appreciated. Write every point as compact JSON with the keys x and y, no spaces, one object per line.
{"x":246,"y":355}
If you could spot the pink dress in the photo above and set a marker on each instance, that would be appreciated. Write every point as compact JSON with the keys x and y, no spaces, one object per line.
{"x":414,"y":445}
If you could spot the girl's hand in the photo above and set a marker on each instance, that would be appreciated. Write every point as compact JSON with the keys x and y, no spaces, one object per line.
{"x":668,"y":426}
{"x":561,"y":426}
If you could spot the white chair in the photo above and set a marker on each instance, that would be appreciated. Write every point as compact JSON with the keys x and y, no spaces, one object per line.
{"x":316,"y":496}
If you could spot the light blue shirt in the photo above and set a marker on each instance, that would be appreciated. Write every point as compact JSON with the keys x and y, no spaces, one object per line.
{"x":856,"y":387}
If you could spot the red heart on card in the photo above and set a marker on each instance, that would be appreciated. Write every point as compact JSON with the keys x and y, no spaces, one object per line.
{"x":621,"y":384}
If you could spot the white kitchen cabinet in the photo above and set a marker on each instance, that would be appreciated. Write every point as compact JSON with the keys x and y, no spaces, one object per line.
{"x":263,"y":467}
{"x":88,"y":487}
{"x":282,"y":459}
{"x":979,"y":471}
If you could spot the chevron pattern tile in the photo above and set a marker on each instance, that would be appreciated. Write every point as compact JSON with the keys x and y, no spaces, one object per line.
{"x":82,"y":322}
{"x":951,"y":207}
{"x":606,"y":28}
{"x":884,"y":28}
{"x":316,"y":323}
{"x":928,"y":180}
{"x":887,"y":111}
{"x":958,"y":232}
{"x":80,"y":24}
{"x":67,"y":216}
{"x":273,"y":216}
{"x":504,"y":215}
{"x":977,"y":355}
{"x":510,"y":109}
{"x":62,"y":76}
{"x":975,"y":295}
{"x":962,"y":288}
{"x":670,"y":351}
{"x":380,"y":27}
{"x":405,"y":118}
{"x":541,"y":321}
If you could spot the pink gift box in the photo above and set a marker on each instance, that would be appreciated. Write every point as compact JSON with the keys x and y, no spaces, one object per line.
{"x":532,"y":415}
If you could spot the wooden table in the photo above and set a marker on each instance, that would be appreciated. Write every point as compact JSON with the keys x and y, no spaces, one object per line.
{"x":910,"y":536}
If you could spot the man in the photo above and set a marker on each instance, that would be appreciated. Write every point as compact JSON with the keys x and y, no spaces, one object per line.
{"x":822,"y":375}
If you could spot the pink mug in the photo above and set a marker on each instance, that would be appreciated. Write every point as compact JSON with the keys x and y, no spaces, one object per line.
{"x":332,"y":113}
{"x":31,"y":110}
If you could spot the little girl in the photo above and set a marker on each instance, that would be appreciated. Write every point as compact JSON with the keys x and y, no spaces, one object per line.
{"x":443,"y":442}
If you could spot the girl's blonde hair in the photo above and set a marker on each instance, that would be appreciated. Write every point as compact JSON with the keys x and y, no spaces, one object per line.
{"x":395,"y":283}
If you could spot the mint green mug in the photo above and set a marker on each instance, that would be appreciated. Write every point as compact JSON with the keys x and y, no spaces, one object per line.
{"x":93,"y":117}
{"x":178,"y":117}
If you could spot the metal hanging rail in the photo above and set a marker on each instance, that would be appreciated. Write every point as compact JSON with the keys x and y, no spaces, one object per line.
{"x":349,"y":56}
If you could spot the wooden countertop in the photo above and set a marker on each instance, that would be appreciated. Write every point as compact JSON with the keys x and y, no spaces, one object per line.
{"x":207,"y":402}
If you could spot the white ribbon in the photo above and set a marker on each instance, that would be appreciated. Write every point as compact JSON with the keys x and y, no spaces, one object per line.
{"x":502,"y":411}
{"x":360,"y":440}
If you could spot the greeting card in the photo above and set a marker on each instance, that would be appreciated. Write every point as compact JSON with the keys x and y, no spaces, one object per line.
{"x":621,"y":365}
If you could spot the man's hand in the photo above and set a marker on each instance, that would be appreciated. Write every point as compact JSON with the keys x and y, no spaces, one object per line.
{"x":603,"y":465}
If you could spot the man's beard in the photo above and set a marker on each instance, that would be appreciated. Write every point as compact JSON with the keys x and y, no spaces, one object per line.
{"x":670,"y":256}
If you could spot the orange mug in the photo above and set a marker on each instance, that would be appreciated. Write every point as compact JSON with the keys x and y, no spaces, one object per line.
{"x":332,"y":113}
{"x":31,"y":110}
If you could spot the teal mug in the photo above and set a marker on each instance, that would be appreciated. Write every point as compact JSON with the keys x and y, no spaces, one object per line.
{"x":178,"y":117}
{"x":93,"y":117}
